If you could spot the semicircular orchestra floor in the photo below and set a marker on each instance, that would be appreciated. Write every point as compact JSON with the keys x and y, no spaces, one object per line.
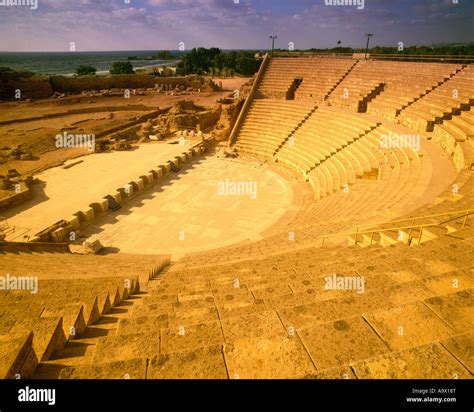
{"x":213,"y":203}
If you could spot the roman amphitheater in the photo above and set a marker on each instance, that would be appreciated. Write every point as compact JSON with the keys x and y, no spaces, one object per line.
{"x":328,"y":236}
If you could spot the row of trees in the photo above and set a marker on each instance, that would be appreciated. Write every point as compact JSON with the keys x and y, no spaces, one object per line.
{"x":161,"y":55}
{"x":9,"y":74}
{"x":411,"y":53}
{"x":200,"y":61}
{"x":452,"y":50}
{"x":216,"y":62}
{"x":449,"y":49}
{"x":117,"y":68}
{"x":165,"y":55}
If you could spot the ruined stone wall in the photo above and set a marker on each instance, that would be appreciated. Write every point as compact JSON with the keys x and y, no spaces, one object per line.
{"x":205,"y":120}
{"x":227,"y":120}
{"x":25,"y":247}
{"x":15,"y":199}
{"x":209,"y":119}
{"x":62,"y":84}
{"x":37,"y":87}
{"x":129,"y":133}
{"x":40,"y":87}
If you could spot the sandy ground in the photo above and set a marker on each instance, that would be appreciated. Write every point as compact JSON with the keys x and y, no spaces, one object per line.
{"x":37,"y":136}
{"x":18,"y":110}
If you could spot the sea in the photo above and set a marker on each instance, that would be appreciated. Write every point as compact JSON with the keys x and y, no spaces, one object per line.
{"x":66,"y":63}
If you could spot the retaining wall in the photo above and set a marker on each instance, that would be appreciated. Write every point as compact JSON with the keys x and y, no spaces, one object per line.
{"x":62,"y":84}
{"x":18,"y":247}
{"x":40,"y":87}
{"x":15,"y":198}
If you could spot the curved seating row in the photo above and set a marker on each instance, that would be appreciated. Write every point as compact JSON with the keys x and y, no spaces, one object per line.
{"x":404,"y":83}
{"x":268,"y":124}
{"x":447,"y":100}
{"x":318,"y":77}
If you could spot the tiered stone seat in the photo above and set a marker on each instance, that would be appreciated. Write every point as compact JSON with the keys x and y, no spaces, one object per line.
{"x":268,"y":124}
{"x":324,"y":133}
{"x":450,"y":98}
{"x":318,"y":83}
{"x":333,"y":162}
{"x":455,"y":137}
{"x":71,"y":296}
{"x":460,"y":127}
{"x":399,"y":168}
{"x":404,"y":83}
{"x":362,"y":84}
{"x":17,"y":357}
{"x":275,"y":318}
{"x":318,"y":75}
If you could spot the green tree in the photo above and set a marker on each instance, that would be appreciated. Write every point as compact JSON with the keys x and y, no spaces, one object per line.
{"x":85,"y":70}
{"x":246,"y":63}
{"x":164,"y":55}
{"x":9,"y":74}
{"x":122,"y":68}
{"x":213,"y":61}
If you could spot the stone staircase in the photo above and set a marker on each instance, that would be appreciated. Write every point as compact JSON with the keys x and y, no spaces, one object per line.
{"x":54,"y":324}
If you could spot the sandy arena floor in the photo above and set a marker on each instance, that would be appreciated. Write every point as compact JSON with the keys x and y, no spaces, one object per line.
{"x":186,"y":213}
{"x":63,"y":192}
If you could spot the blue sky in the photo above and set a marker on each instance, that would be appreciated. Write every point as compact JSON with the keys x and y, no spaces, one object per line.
{"x":162,"y":24}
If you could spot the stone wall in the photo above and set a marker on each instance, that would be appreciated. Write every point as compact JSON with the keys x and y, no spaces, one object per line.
{"x":40,"y":87}
{"x":453,"y":148}
{"x":19,"y":247}
{"x":15,"y":198}
{"x":36,"y":87}
{"x":205,"y":120}
{"x":227,"y":120}
{"x":62,"y":84}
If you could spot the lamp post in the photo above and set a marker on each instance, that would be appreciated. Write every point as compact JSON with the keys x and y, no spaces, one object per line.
{"x":368,"y":35}
{"x":273,"y":37}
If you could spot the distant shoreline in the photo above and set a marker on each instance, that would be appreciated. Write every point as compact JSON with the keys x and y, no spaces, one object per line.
{"x":66,"y":63}
{"x":138,"y":70}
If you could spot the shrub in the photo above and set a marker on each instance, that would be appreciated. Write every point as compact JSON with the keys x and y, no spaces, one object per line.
{"x":122,"y":68}
{"x":85,"y":70}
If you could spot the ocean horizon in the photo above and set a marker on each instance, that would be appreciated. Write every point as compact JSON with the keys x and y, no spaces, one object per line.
{"x":66,"y":63}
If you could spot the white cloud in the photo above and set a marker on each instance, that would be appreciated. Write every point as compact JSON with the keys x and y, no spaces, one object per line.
{"x":161,"y":24}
